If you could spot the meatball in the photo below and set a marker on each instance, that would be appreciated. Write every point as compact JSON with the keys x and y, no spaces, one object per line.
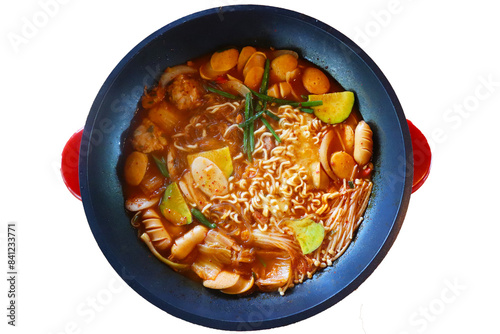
{"x":148,"y":137}
{"x":185,"y":92}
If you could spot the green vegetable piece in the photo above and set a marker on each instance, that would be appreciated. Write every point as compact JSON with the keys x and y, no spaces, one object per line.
{"x":247,"y":131}
{"x":309,"y":234}
{"x":252,"y":119}
{"x":173,"y":206}
{"x":265,"y":78}
{"x":258,"y":115}
{"x":270,"y":128}
{"x":222,"y":93}
{"x":273,"y":116}
{"x":162,"y":166}
{"x":251,"y":129}
{"x":271,"y":99}
{"x":336,"y":106}
{"x":307,"y":110}
{"x":202,"y":219}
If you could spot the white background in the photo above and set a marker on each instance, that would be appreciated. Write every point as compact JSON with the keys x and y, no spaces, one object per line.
{"x":441,"y":275}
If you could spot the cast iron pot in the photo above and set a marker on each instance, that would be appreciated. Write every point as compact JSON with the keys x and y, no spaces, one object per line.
{"x":199,"y":34}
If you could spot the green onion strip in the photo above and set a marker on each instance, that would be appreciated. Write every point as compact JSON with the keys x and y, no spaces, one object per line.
{"x":162,"y":166}
{"x":286,"y":102}
{"x":273,"y":116}
{"x":246,"y":135}
{"x":252,"y":119}
{"x":251,"y":129}
{"x":265,"y":78}
{"x":222,"y":93}
{"x":202,"y":219}
{"x":270,"y":128}
{"x":253,"y":112}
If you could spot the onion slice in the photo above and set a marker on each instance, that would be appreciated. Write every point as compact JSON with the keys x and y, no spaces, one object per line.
{"x":236,"y":86}
{"x":171,"y":72}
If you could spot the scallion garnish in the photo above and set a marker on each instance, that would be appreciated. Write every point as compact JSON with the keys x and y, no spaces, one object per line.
{"x":306,"y":110}
{"x":246,"y":132}
{"x":273,"y":116}
{"x":270,"y":128}
{"x":286,"y":102}
{"x":251,"y":129}
{"x":251,"y":119}
{"x":265,"y":78}
{"x":162,"y":166}
{"x":222,"y":93}
{"x":202,"y":219}
{"x":306,"y":104}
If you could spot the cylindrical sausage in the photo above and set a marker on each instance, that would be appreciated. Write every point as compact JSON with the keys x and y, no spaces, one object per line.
{"x":363,"y":143}
{"x":186,"y":243}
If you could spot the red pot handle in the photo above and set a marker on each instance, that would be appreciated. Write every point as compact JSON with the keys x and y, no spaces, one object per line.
{"x":421,"y":160}
{"x":422,"y":157}
{"x":69,"y":163}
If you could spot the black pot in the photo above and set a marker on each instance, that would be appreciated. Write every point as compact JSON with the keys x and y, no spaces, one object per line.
{"x":199,"y":34}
